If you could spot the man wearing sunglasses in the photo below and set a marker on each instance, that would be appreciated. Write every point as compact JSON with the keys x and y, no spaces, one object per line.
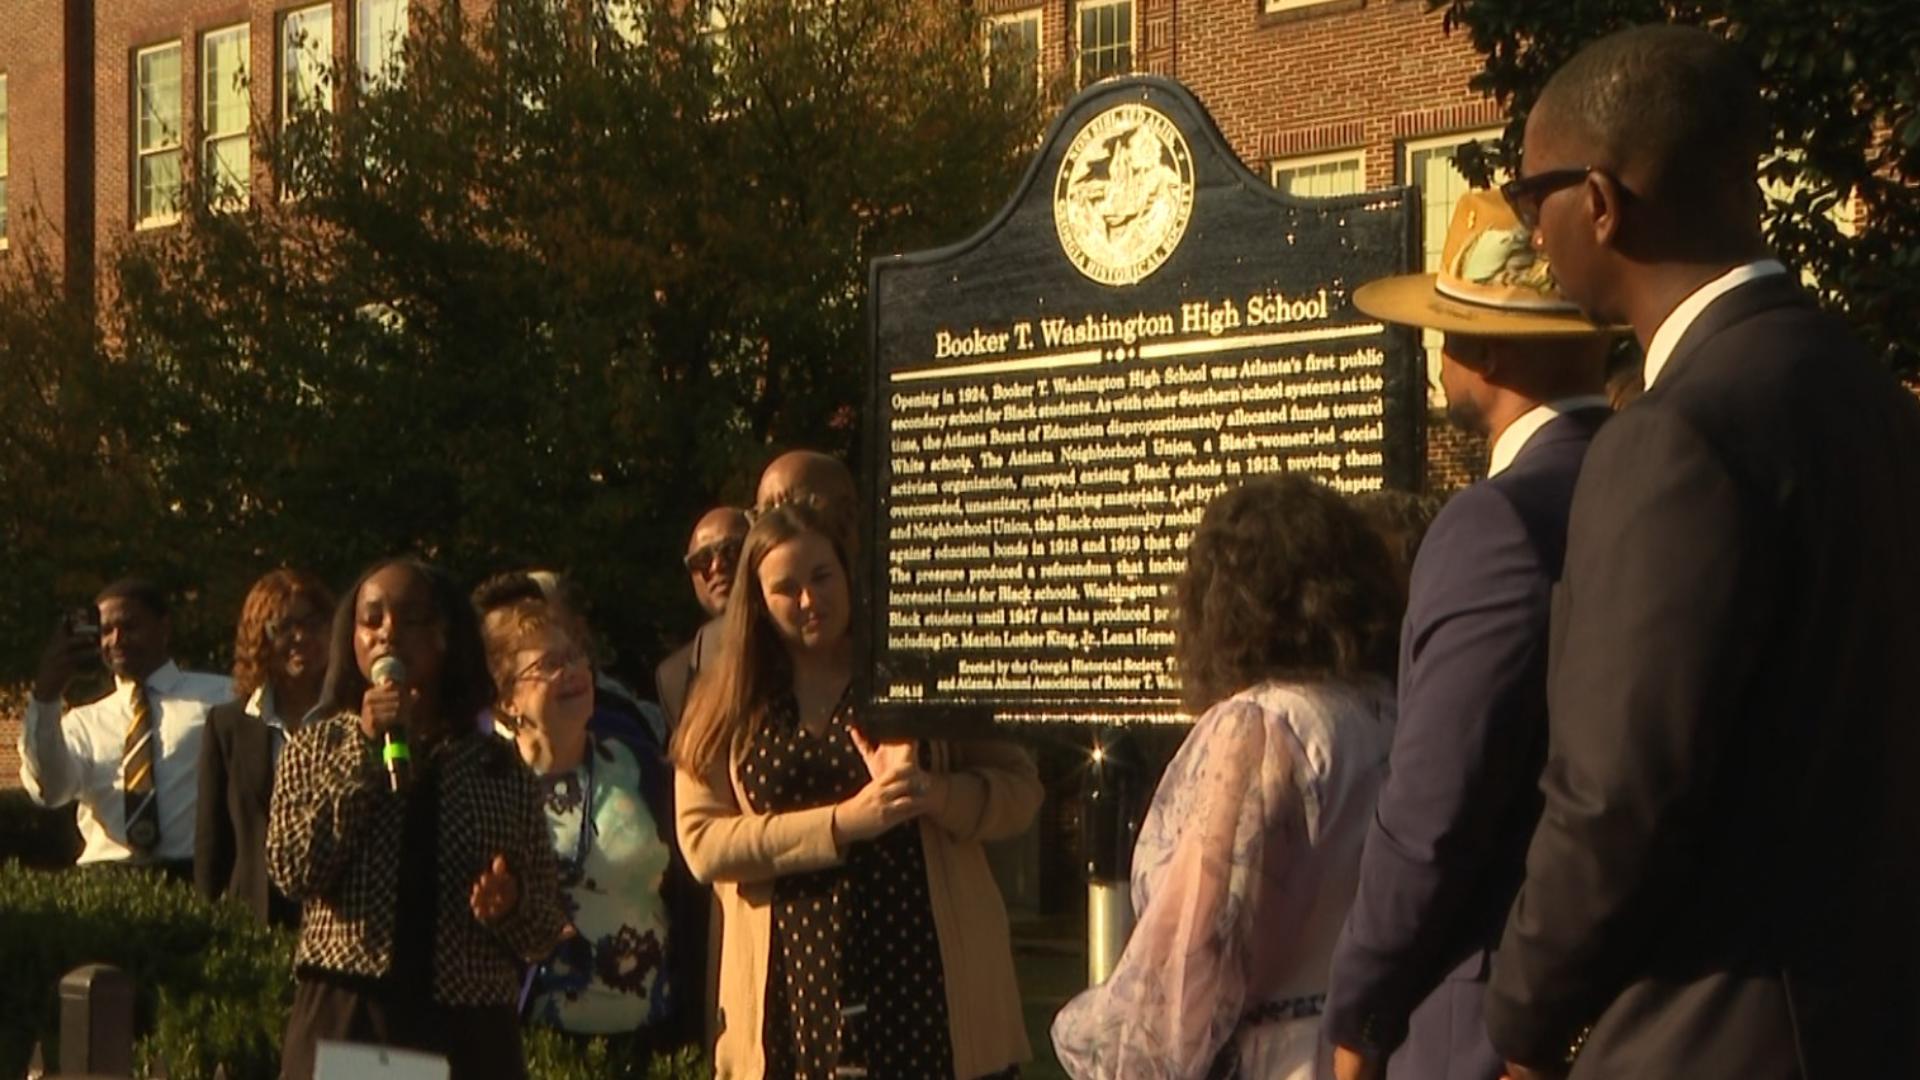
{"x":713,"y":552}
{"x":1723,"y":881}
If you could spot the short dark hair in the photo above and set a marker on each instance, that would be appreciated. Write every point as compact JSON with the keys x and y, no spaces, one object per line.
{"x":1283,"y":580}
{"x":1400,"y":518}
{"x":511,"y":587}
{"x":140,"y":591}
{"x":466,"y":687}
{"x":1682,"y":103}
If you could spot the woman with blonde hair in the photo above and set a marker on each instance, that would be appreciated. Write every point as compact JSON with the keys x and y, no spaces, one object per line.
{"x":631,"y":970}
{"x":862,"y":930}
{"x":279,"y":662}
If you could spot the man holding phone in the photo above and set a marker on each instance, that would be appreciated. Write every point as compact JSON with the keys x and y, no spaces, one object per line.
{"x":130,"y":757}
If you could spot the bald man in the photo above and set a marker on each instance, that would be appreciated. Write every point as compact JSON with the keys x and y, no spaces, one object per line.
{"x":1723,"y":882}
{"x":821,"y":476}
{"x":713,"y":554}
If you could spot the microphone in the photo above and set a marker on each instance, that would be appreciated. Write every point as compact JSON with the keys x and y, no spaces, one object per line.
{"x":389,"y":671}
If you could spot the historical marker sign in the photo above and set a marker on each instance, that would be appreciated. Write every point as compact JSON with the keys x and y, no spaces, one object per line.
{"x":1056,"y":400}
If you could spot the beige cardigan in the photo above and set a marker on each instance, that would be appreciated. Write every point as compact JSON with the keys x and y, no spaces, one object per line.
{"x":993,"y":794}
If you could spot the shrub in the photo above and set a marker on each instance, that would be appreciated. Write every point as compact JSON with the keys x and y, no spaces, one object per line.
{"x":212,"y":986}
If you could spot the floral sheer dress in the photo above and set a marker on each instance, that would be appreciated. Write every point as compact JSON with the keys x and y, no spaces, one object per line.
{"x":1243,"y":873}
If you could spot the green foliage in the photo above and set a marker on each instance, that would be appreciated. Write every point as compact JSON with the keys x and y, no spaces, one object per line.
{"x":72,"y":503}
{"x":1844,"y":97}
{"x":549,"y":296}
{"x":212,"y":985}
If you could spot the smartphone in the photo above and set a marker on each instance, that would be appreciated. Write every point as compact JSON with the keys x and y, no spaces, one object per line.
{"x":84,"y":624}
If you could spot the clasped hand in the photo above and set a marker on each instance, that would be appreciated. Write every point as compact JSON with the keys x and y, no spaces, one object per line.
{"x":897,"y":790}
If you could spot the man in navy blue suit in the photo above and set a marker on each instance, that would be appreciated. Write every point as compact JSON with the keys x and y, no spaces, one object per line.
{"x":1447,"y":848}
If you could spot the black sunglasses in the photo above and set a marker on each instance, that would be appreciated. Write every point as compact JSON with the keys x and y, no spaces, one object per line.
{"x":1526,"y":193}
{"x":702,"y":558}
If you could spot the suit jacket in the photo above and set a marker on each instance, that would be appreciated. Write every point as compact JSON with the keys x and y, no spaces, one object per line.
{"x":1444,"y":854}
{"x":675,"y":675}
{"x":1722,"y":883}
{"x":230,"y":832}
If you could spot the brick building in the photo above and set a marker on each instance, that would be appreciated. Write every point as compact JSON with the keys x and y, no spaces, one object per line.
{"x":105,"y":107}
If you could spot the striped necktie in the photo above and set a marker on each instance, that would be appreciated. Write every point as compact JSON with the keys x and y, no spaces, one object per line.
{"x":136,"y":770}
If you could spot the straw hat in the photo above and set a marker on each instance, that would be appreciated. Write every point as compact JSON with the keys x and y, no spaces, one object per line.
{"x":1492,"y":282}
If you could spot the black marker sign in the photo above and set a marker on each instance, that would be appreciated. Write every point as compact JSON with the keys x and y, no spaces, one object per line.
{"x":1056,"y":400}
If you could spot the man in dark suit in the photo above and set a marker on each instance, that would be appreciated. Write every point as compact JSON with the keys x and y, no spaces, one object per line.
{"x":1445,"y":851}
{"x":1722,"y":883}
{"x":713,"y":552}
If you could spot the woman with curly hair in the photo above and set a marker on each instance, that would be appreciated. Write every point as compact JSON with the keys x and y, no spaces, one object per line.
{"x":862,"y":933}
{"x":279,"y":661}
{"x":1284,"y":623}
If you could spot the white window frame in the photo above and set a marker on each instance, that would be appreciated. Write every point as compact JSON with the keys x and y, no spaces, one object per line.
{"x":1314,"y":161}
{"x":1080,"y":44}
{"x":1274,"y":7}
{"x":1433,"y":226}
{"x":214,"y":86}
{"x":292,"y":55}
{"x":141,"y":152}
{"x":1009,"y":18}
{"x":6,"y":151}
{"x":383,"y":61}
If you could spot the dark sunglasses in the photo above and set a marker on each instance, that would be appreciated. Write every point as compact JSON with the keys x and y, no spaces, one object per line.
{"x":1526,"y":193}
{"x":701,"y":559}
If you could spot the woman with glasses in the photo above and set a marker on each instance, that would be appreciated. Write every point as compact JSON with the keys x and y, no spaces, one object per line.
{"x":424,"y":890}
{"x":279,"y":661}
{"x":862,"y":933}
{"x":609,"y":819}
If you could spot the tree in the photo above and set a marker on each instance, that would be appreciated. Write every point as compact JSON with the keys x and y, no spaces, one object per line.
{"x":547,"y":295}
{"x":1844,"y":97}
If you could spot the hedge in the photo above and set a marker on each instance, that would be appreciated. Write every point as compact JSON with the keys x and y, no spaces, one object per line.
{"x":212,"y":985}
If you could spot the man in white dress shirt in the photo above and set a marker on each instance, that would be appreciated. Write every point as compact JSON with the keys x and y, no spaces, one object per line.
{"x":130,"y":757}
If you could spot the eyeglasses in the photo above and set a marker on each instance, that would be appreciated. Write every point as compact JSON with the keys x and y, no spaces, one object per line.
{"x":1526,"y":193}
{"x":282,"y":629}
{"x":702,"y":559}
{"x":552,"y":666}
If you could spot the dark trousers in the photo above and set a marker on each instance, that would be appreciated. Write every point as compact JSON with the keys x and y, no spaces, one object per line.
{"x":480,"y":1042}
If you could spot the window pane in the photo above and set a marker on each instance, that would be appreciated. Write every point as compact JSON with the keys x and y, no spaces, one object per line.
{"x":1106,"y":40}
{"x":1013,"y":48}
{"x":224,"y":84}
{"x":159,"y":82}
{"x":159,"y":192}
{"x":306,"y":52}
{"x":228,"y":165}
{"x":381,"y":36}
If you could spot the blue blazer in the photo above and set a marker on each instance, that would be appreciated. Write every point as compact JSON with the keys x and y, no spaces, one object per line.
{"x":1447,"y":848}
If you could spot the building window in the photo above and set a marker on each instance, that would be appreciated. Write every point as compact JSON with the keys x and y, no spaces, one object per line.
{"x":1429,"y":167}
{"x":1106,"y":39}
{"x":226,"y":163}
{"x":3,"y":163}
{"x":1272,"y":6}
{"x":1013,"y":46}
{"x":380,"y":36}
{"x":627,"y":20}
{"x":156,"y":150}
{"x":1322,"y":175}
{"x":306,"y":57}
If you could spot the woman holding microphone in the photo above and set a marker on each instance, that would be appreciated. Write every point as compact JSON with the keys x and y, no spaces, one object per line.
{"x":423,"y":888}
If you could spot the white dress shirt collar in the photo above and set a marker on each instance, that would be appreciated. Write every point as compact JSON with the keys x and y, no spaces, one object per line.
{"x":1675,"y":325}
{"x":1506,"y":448}
{"x":162,"y":681}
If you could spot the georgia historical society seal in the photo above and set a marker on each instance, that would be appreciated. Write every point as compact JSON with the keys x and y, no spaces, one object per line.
{"x":1125,"y":189}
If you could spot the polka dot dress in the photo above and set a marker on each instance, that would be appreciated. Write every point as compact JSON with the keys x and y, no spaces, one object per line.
{"x":854,"y":985}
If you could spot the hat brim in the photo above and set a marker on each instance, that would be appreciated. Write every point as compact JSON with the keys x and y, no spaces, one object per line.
{"x":1412,"y":300}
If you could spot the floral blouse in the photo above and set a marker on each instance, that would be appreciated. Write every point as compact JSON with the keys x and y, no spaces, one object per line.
{"x":612,"y":976}
{"x":1243,"y":872}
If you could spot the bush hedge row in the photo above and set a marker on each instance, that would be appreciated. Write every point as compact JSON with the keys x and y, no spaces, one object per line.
{"x":212,"y":986}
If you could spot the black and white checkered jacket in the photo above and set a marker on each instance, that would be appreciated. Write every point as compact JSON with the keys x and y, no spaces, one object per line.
{"x":333,"y":843}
